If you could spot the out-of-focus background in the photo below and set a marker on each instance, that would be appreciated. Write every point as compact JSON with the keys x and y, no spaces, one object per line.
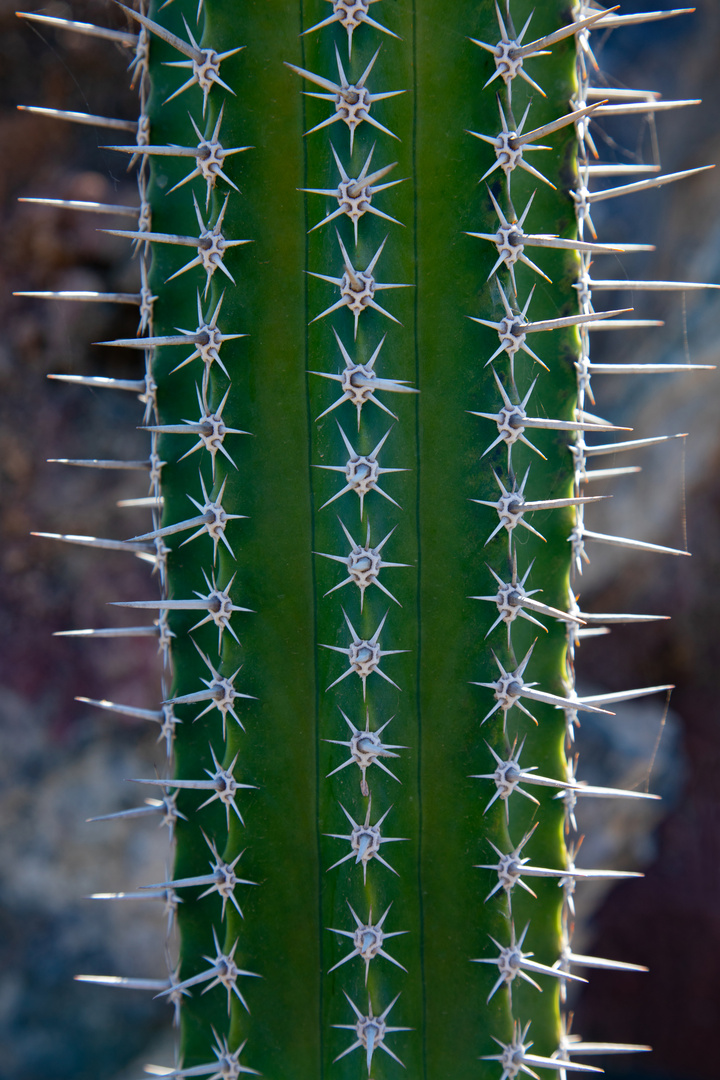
{"x":62,"y":762}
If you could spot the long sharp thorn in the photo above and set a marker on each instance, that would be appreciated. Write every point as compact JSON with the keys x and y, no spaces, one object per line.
{"x":610,"y":21}
{"x":73,"y":294}
{"x":125,"y":37}
{"x":638,"y":545}
{"x":623,"y":324}
{"x":646,"y":369}
{"x":609,"y":617}
{"x":627,"y":695}
{"x":562,"y":33}
{"x":111,"y":632}
{"x":126,"y":983}
{"x":89,"y":207}
{"x":98,"y":463}
{"x":597,"y":962}
{"x":554,"y":125}
{"x":643,"y":185}
{"x":176,"y":42}
{"x":634,"y":444}
{"x":94,"y":541}
{"x":82,"y":118}
{"x":643,"y":107}
{"x":649,"y":286}
{"x":123,"y":710}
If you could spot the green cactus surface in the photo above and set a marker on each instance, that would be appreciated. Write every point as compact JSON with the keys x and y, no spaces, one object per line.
{"x":368,"y":414}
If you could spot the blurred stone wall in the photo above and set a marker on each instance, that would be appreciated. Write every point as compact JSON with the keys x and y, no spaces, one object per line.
{"x":62,"y":762}
{"x":671,"y":919}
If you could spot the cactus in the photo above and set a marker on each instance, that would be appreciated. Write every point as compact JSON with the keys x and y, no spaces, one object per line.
{"x":368,"y":522}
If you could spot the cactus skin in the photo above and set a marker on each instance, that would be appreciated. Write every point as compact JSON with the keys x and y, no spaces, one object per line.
{"x":291,"y":894}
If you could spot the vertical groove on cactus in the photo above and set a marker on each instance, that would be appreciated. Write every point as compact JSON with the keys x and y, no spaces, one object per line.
{"x":368,"y":550}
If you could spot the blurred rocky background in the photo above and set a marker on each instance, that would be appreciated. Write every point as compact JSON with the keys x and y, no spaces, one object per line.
{"x":62,"y":762}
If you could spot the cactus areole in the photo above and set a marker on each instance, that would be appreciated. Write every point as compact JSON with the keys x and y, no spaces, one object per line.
{"x":364,"y":236}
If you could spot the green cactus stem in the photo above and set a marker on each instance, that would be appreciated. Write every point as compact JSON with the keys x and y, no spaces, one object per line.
{"x":366,"y":308}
